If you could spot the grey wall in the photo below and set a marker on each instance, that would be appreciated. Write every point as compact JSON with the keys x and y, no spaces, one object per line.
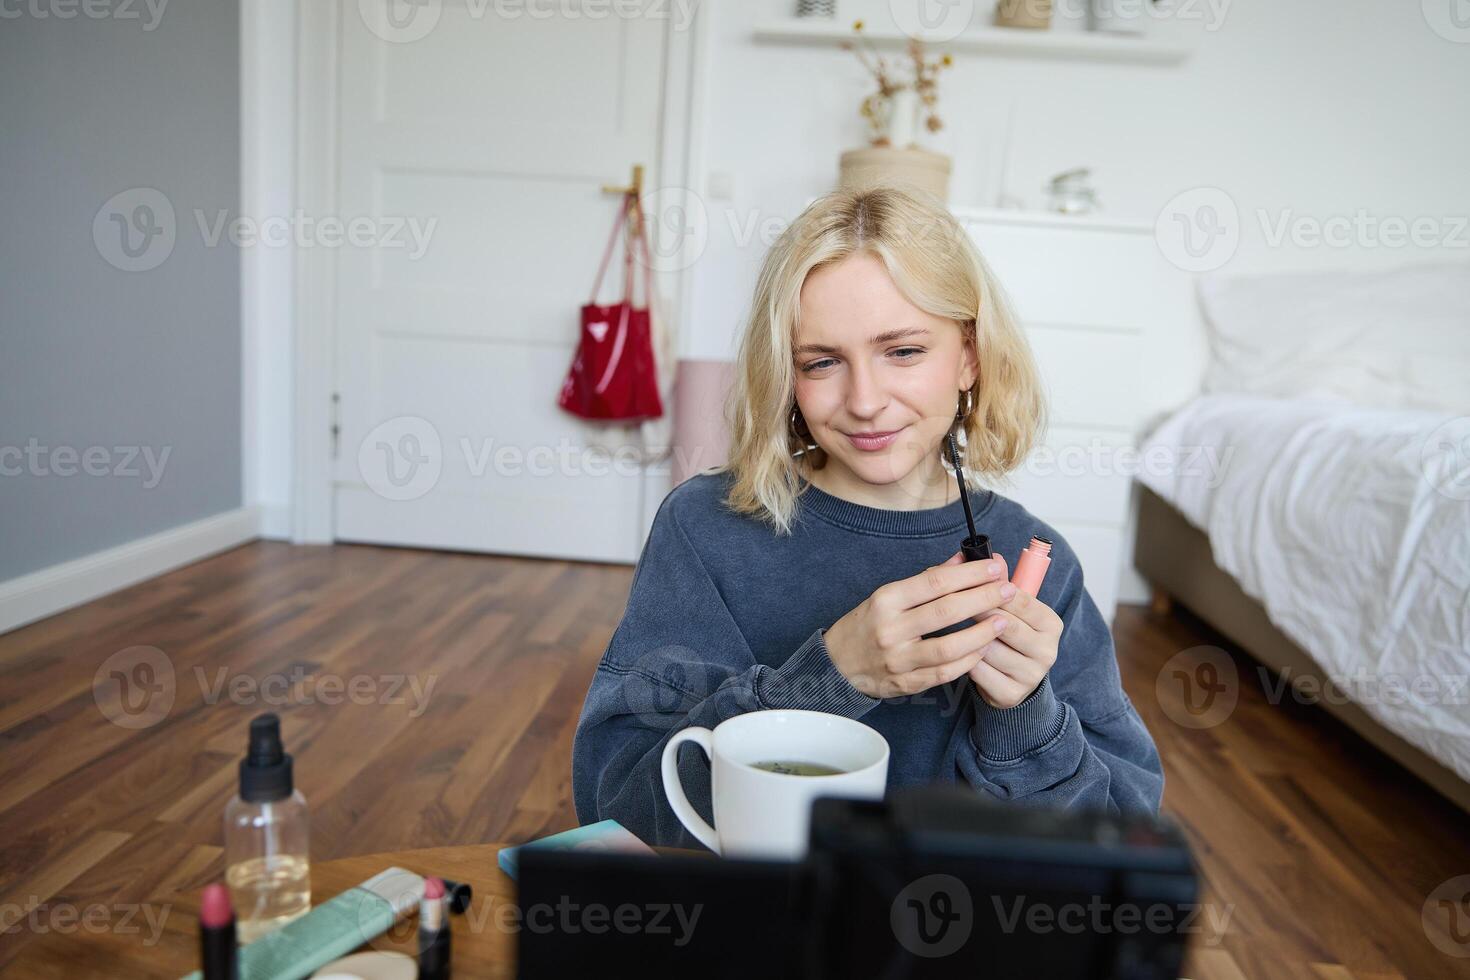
{"x":98,"y":364}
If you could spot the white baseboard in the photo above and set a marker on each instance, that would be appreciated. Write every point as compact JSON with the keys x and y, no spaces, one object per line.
{"x":39,"y":594}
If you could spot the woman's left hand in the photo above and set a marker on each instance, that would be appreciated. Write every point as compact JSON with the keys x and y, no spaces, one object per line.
{"x":1021,"y":654}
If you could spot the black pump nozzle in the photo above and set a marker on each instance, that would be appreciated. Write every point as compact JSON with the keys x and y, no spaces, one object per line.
{"x":265,"y":741}
{"x":265,"y":772}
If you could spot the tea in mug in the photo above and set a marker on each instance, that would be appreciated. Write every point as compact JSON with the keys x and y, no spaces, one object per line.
{"x":788,"y":768}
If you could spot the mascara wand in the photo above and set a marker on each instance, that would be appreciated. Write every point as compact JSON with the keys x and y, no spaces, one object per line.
{"x":977,"y":546}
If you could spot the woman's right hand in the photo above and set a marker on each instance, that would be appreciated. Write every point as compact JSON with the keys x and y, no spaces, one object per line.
{"x":879,"y":646}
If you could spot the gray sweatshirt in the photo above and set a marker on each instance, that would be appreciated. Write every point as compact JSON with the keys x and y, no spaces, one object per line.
{"x":725,"y":617}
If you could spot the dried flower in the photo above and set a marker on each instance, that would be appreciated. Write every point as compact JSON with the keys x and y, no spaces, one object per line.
{"x":924,"y":81}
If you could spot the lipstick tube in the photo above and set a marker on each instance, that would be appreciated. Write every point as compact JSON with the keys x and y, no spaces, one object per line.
{"x":219,"y":954}
{"x":1032,"y":565}
{"x":434,"y":932}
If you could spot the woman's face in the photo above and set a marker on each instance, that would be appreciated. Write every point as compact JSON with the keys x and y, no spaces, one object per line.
{"x":877,"y":378}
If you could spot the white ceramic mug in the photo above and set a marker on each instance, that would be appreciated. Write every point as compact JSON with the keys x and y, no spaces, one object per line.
{"x":759,"y":813}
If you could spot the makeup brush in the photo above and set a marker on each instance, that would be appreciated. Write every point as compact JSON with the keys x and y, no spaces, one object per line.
{"x":977,"y":546}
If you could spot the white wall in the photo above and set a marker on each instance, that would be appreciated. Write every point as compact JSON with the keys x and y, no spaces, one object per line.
{"x":1317,"y":107}
{"x":1309,"y":111}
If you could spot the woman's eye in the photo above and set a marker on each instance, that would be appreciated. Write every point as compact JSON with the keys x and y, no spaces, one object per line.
{"x":818,"y":365}
{"x":908,"y":353}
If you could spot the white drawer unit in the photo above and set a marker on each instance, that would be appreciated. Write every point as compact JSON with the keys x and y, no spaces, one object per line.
{"x":1085,"y":290}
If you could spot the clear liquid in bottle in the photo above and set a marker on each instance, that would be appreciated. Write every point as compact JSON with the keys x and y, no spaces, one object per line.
{"x":268,"y":893}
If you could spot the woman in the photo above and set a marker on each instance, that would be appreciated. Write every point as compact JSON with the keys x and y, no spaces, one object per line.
{"x":819,"y":568}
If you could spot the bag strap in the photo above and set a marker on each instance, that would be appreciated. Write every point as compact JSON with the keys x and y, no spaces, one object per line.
{"x":612,"y":240}
{"x":631,"y":206}
{"x":620,"y":336}
{"x":642,"y":242}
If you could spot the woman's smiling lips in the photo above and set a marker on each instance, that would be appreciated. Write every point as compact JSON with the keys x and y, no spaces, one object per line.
{"x":871,"y":442}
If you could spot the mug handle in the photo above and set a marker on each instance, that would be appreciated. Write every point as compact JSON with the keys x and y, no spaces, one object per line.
{"x":674,"y":790}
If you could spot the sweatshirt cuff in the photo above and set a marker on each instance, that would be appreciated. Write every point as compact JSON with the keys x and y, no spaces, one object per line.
{"x":810,"y":681}
{"x":1006,"y":734}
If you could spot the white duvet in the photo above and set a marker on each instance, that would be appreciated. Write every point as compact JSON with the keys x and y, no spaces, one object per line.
{"x":1351,"y":526}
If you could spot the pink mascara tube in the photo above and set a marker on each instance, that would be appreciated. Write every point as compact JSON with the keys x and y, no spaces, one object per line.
{"x":1032,"y":565}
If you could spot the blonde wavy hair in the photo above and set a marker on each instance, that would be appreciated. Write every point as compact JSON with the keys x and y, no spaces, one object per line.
{"x":937,"y":267}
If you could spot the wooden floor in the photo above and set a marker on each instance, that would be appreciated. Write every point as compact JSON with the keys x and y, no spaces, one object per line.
{"x":1318,"y":853}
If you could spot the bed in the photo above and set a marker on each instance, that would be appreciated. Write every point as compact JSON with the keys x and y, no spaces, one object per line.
{"x":1322,"y":523}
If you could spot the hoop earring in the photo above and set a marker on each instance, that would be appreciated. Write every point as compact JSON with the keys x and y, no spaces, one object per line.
{"x":804,"y":439}
{"x":961,"y":414}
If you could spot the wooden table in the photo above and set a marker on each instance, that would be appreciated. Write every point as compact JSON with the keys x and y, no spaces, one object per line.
{"x":484,"y":937}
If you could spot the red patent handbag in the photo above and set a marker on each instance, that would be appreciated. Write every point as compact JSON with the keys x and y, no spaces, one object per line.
{"x":613,"y":377}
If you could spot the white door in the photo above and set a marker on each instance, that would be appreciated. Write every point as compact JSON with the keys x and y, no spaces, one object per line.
{"x":477,"y":145}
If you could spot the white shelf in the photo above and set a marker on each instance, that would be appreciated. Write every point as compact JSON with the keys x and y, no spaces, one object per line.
{"x":1050,"y":219}
{"x":1064,"y":44}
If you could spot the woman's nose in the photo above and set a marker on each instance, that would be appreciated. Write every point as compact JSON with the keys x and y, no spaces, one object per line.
{"x":865,"y":394}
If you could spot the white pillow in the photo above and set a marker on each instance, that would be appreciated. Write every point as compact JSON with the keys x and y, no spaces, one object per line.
{"x":1395,"y":339}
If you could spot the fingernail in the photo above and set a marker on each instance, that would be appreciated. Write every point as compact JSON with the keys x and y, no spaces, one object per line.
{"x":992,"y":568}
{"x":1000,"y":624}
{"x":1007,"y":590}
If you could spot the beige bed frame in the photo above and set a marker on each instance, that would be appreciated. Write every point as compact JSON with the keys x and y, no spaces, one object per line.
{"x":1175,"y":558}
